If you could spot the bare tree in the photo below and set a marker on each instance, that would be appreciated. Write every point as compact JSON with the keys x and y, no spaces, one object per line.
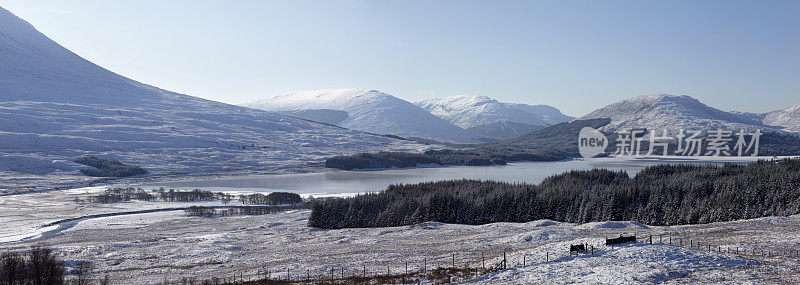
{"x":12,"y":268}
{"x":44,"y":268}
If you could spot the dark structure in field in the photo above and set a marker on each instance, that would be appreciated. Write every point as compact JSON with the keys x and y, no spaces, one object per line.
{"x":620,"y":240}
{"x":577,"y":248}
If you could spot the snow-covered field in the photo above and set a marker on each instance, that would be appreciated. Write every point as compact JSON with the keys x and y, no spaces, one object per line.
{"x":152,"y":247}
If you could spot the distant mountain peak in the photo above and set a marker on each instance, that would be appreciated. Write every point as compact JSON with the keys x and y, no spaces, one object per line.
{"x":660,"y":111}
{"x":788,"y":119}
{"x":490,"y":117}
{"x":56,"y":106}
{"x":371,"y":111}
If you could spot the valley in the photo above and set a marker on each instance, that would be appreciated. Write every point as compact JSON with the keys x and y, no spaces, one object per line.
{"x":480,"y":180}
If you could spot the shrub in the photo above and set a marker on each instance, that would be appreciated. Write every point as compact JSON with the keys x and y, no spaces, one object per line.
{"x":39,"y":266}
{"x":274,"y":198}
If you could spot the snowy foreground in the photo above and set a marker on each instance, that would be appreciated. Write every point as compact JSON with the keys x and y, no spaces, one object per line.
{"x":149,"y":248}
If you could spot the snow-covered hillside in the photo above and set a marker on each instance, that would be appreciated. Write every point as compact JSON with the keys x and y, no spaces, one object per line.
{"x":670,"y":112}
{"x":788,"y":119}
{"x":56,"y":106}
{"x":153,"y":247}
{"x":487,"y":116}
{"x":370,"y":111}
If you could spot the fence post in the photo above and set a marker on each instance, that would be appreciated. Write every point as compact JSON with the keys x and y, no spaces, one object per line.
{"x":651,"y":239}
{"x":425,"y":265}
{"x":547,"y":256}
{"x":288,"y":277}
{"x":365,"y":270}
{"x":404,"y":275}
{"x":454,"y":260}
{"x":504,"y":259}
{"x":524,"y":259}
{"x":483,"y":262}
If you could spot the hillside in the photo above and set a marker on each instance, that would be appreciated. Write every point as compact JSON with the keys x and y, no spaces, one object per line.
{"x":489,"y":117}
{"x":56,"y":106}
{"x":564,"y":138}
{"x":670,"y":112}
{"x":788,"y":119}
{"x":561,"y":137}
{"x":370,"y":111}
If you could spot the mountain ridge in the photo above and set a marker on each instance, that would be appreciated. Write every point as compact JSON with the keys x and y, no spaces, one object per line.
{"x":56,"y":106}
{"x":371,"y":111}
{"x":788,"y":119}
{"x":664,"y":111}
{"x":489,"y":117}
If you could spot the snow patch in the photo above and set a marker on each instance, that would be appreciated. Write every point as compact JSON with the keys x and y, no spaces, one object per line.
{"x":612,"y":225}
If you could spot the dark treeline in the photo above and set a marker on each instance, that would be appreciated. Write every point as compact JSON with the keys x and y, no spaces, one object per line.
{"x":658,"y":195}
{"x":208,"y":212}
{"x":108,"y":168}
{"x":37,"y":266}
{"x":380,"y":160}
{"x":469,"y":157}
{"x":274,"y":198}
{"x":498,"y":155}
{"x":115,"y":195}
{"x":195,"y":195}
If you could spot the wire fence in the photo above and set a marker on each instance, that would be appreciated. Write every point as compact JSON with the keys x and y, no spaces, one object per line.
{"x":463,"y":266}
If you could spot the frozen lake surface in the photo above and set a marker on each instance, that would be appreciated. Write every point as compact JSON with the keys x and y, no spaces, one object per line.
{"x":351,"y":182}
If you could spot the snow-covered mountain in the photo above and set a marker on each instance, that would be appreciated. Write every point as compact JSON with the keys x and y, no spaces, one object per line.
{"x":489,"y":117}
{"x":370,"y":111}
{"x":56,"y":106}
{"x":788,"y":119}
{"x":671,"y":112}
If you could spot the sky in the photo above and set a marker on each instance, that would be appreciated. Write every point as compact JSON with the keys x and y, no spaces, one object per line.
{"x":574,"y":55}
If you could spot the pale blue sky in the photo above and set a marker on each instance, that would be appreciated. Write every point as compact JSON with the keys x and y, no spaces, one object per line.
{"x":575,"y":55}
